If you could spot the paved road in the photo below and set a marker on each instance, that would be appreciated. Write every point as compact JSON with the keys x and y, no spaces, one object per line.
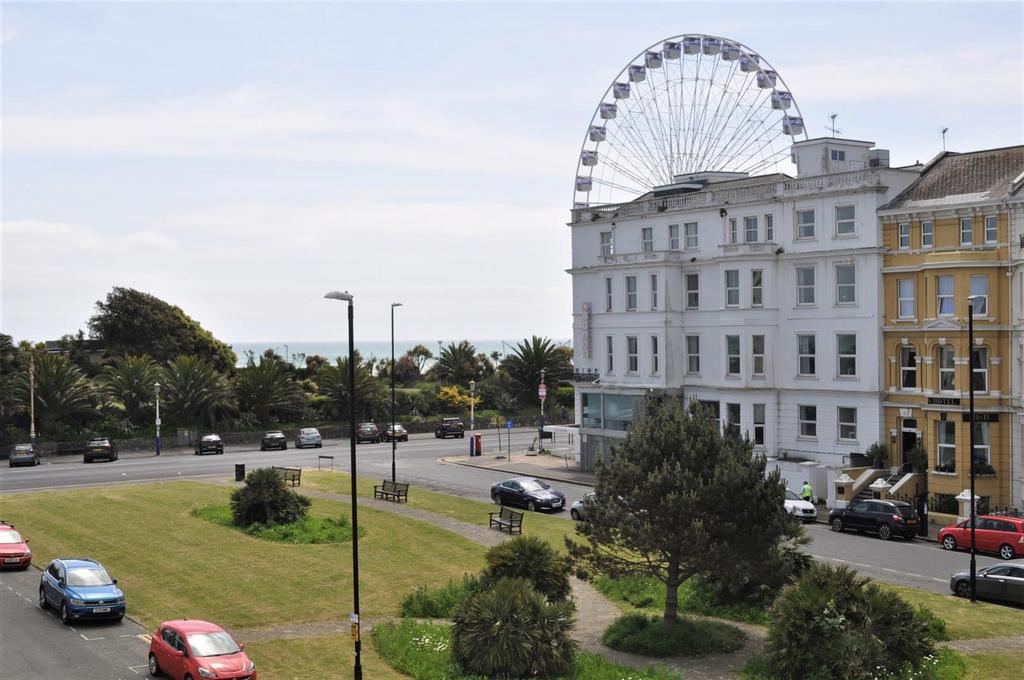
{"x":35,"y":644}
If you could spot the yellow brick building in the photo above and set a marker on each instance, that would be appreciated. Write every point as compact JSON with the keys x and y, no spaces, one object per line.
{"x":946,"y":238}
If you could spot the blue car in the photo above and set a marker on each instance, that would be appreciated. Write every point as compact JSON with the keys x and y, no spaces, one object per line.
{"x":80,"y":588}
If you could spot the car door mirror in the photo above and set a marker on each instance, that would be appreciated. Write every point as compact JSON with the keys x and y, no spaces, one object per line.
{"x":60,"y":582}
{"x":114,"y":580}
{"x":241,"y":646}
{"x":178,"y":653}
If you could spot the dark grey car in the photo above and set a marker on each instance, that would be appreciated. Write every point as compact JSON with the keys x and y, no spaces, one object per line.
{"x":23,"y":454}
{"x":532,"y":494}
{"x":1004,"y":582}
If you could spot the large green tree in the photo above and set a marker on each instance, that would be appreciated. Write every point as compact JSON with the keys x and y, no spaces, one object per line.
{"x":130,"y":382}
{"x":459,"y":363}
{"x":193,"y":392}
{"x":267,"y":388}
{"x":527,"y":359}
{"x":63,"y":396}
{"x":676,"y":498}
{"x":333,"y":383}
{"x":10,"y":367}
{"x":133,"y":322}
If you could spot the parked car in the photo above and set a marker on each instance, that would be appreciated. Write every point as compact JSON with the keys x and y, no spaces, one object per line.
{"x":799,"y":508}
{"x":14,"y":550}
{"x":97,"y":448}
{"x":992,"y":534}
{"x":532,"y":494}
{"x":23,"y":454}
{"x":578,"y":511}
{"x":209,"y":443}
{"x":308,"y":436}
{"x":274,"y":439}
{"x":367,"y":432}
{"x":80,"y":588}
{"x":450,"y":427}
{"x":197,"y":649}
{"x":401,"y":434}
{"x":886,"y":518}
{"x":1003,"y":582}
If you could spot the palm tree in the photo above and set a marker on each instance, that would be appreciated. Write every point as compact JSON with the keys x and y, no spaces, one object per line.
{"x":527,"y":359}
{"x":459,"y":363}
{"x":129,"y":381}
{"x":267,"y":387}
{"x":62,"y":393}
{"x":333,"y":383}
{"x":193,"y":391}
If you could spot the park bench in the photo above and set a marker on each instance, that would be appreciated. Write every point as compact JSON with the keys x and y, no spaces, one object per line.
{"x":507,"y":520}
{"x":291,"y":475}
{"x":392,"y":491}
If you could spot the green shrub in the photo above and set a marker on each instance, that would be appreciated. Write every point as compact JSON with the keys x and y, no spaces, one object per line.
{"x":652,"y":636}
{"x":439,"y":603}
{"x":936,"y":626}
{"x":308,"y":530}
{"x":835,"y":625}
{"x":513,"y":631}
{"x":265,"y":499}
{"x":944,"y":665}
{"x":696,"y":596}
{"x":533,"y":559}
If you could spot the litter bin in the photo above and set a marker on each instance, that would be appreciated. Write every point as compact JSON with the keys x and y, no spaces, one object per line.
{"x":239,"y":472}
{"x":479,"y":446}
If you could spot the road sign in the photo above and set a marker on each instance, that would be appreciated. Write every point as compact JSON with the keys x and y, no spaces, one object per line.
{"x":542,"y":391}
{"x":508,"y":424}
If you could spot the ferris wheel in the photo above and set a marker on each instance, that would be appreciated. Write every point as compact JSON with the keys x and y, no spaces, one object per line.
{"x":691,"y":103}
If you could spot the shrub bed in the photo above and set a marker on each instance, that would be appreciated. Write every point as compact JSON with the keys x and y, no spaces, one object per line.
{"x":308,"y":530}
{"x":695,"y":597}
{"x":652,"y":636}
{"x":423,"y":652}
{"x":945,"y":664}
{"x":439,"y":603}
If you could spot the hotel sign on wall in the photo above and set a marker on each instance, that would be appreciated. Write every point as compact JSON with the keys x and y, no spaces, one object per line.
{"x":944,"y":401}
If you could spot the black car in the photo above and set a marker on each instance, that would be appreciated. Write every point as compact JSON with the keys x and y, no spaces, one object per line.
{"x":886,"y":518}
{"x":274,"y":439}
{"x":209,"y":443}
{"x":23,"y":454}
{"x":101,"y":447}
{"x":367,"y":432}
{"x":400,"y":434}
{"x":532,"y":494}
{"x":450,"y":427}
{"x":1003,"y":582}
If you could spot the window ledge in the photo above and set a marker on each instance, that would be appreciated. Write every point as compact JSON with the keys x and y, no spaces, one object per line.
{"x":842,"y":236}
{"x":806,"y":438}
{"x":805,"y":377}
{"x":759,"y":376}
{"x":848,"y":378}
{"x":943,"y":474}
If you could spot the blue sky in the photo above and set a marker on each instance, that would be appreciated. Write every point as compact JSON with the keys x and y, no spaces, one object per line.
{"x":240,"y":159}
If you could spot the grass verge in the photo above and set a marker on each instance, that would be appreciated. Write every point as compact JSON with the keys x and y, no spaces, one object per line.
{"x":327,"y":657}
{"x":648,"y":593}
{"x":305,"y":531}
{"x":994,"y":665}
{"x":172,"y":565}
{"x":966,"y":621}
{"x":945,"y":665}
{"x":439,"y":603}
{"x":651,"y":636}
{"x":422,"y":651}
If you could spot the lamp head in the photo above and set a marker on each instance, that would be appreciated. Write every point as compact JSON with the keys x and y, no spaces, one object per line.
{"x":338,"y":295}
{"x":396,"y":304}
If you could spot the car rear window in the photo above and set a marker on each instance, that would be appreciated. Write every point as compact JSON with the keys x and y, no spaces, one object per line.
{"x":309,"y":430}
{"x":23,"y":448}
{"x":905,"y":511}
{"x":211,"y":438}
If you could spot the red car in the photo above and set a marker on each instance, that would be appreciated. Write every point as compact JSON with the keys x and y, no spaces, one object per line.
{"x":993,"y":533}
{"x":14,"y":551}
{"x":193,"y":650}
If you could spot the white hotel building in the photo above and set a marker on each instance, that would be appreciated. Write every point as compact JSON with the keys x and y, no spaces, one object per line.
{"x":759,"y":295}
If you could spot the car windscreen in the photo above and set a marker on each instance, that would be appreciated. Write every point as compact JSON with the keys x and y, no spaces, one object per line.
{"x":790,"y":496}
{"x":212,"y":644}
{"x":275,"y":433}
{"x":88,"y":577}
{"x":534,"y":485}
{"x":10,"y":537}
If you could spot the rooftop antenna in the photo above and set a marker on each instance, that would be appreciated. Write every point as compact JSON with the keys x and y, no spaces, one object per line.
{"x":944,"y":131}
{"x":832,"y":117}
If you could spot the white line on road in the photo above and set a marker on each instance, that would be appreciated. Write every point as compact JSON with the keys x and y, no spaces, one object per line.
{"x":871,"y":566}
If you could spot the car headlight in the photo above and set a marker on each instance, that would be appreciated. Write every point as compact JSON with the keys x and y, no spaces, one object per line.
{"x":252,"y":667}
{"x":206,"y":673}
{"x":77,"y":602}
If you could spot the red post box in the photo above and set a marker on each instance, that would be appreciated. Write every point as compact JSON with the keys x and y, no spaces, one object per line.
{"x":479,"y":443}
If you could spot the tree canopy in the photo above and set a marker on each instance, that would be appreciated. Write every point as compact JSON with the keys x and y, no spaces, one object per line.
{"x":133,"y":322}
{"x":527,"y":359}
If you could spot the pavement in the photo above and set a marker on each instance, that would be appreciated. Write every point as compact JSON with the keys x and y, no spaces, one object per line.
{"x":527,"y":464}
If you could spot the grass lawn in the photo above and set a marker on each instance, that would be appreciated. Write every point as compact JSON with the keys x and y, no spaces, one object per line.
{"x":995,"y":665}
{"x":550,"y":528}
{"x":328,"y":657}
{"x":651,"y":636}
{"x":172,"y":564}
{"x":966,"y":621}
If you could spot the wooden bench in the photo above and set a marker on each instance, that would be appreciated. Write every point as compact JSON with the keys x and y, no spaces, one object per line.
{"x":507,"y":520}
{"x":392,"y":491}
{"x":292,"y":475}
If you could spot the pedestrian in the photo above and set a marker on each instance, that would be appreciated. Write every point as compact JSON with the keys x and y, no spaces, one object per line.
{"x":807,"y":493}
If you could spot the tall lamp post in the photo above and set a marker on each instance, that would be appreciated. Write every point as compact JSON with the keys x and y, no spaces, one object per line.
{"x":394,"y":439}
{"x":156,"y":387}
{"x":542,"y":392}
{"x":357,"y":673}
{"x":472,"y":404}
{"x":32,"y":397}
{"x":972,"y":366}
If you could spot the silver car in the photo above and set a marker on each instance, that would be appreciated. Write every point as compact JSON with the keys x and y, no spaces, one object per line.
{"x":1003,"y":582}
{"x":308,"y":436}
{"x":23,"y":454}
{"x":578,"y":510}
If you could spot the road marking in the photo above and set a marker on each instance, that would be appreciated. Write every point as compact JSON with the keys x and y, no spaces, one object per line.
{"x":145,"y":636}
{"x":89,"y":639}
{"x":110,"y":483}
{"x":870,"y":566}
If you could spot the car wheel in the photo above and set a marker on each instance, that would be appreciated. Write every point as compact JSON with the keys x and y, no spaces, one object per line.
{"x":949,"y":543}
{"x":885,"y":532}
{"x":43,"y":604}
{"x":1006,"y":551}
{"x":531,"y":506}
{"x":574,"y":514}
{"x":963,"y":589}
{"x":154,"y":666}
{"x":319,"y":446}
{"x":65,"y":616}
{"x":285,"y":447}
{"x":837,"y":524}
{"x":38,"y":461}
{"x":496,"y":498}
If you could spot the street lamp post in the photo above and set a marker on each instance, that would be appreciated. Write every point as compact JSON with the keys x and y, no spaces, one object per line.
{"x":439,"y":366}
{"x":971,"y":364}
{"x":472,"y":404}
{"x":357,"y":673}
{"x":156,"y":387}
{"x":394,"y":439}
{"x":543,"y":394}
{"x":32,"y":397}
